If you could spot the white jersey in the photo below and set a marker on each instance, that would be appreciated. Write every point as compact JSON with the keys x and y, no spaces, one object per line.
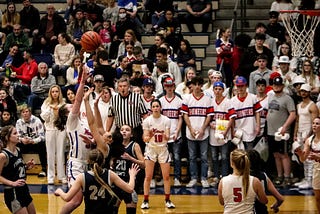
{"x":172,"y":109}
{"x":197,"y":109}
{"x":232,"y":193}
{"x":222,"y":111}
{"x":147,"y":103}
{"x":245,"y":110}
{"x":158,"y":126}
{"x":263,"y":113}
{"x":76,"y":127}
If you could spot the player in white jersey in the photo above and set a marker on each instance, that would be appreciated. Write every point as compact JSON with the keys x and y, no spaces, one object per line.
{"x":220,"y":131}
{"x":197,"y":111}
{"x":237,"y":192}
{"x":247,"y":108}
{"x":79,"y":150}
{"x":171,"y":107}
{"x":156,"y":133}
{"x":261,"y":95}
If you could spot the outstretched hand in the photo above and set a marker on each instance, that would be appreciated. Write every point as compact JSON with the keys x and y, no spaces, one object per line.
{"x":133,"y":171}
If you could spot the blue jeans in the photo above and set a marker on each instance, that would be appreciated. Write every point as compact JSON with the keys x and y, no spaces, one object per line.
{"x":194,"y":147}
{"x":224,"y":151}
{"x":175,"y":150}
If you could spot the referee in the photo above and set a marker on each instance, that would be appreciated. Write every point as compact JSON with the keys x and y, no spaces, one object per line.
{"x":127,"y":108}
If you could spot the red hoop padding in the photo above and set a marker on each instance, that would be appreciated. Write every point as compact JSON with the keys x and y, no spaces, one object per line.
{"x":303,"y":12}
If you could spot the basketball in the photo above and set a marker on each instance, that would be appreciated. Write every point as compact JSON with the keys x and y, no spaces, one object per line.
{"x":90,"y":41}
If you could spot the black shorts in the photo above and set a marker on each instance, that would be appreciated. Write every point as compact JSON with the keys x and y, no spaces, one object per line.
{"x":22,"y":196}
{"x":282,"y":147}
{"x":126,"y":197}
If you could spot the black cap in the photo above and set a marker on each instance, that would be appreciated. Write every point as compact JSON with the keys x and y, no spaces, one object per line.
{"x":274,"y":14}
{"x":278,"y":81}
{"x":261,"y":82}
{"x":262,"y":56}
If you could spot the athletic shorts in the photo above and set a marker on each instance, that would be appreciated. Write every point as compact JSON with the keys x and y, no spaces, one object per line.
{"x":282,"y":147}
{"x":74,"y":168}
{"x":20,"y":199}
{"x":155,"y":153}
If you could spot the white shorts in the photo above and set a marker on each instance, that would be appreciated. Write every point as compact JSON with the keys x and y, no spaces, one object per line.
{"x":316,"y":178}
{"x":154,"y":153}
{"x":74,"y":168}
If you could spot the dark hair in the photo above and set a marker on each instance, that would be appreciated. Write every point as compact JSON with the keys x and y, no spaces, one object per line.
{"x":255,"y":158}
{"x":162,"y":51}
{"x":162,"y":66}
{"x":155,"y":101}
{"x":260,"y":24}
{"x":197,"y":80}
{"x":187,"y":43}
{"x":290,"y":50}
{"x":65,"y":36}
{"x":137,"y":50}
{"x":102,"y":54}
{"x":260,"y":36}
{"x":129,"y":43}
{"x":242,"y":40}
{"x":61,"y":120}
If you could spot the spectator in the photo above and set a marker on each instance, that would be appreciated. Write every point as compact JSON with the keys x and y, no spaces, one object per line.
{"x":12,"y":59}
{"x":279,"y":5}
{"x":122,"y":67}
{"x":269,"y":41}
{"x":72,"y":73}
{"x":224,"y":47}
{"x":6,"y":84}
{"x":287,"y":74}
{"x":111,"y":12}
{"x":8,"y":103}
{"x":9,"y":18}
{"x":40,"y":86}
{"x":29,"y":18}
{"x":22,"y":76}
{"x":63,"y":55}
{"x":197,"y":107}
{"x":241,"y":43}
{"x":182,"y":89}
{"x":285,"y":50}
{"x":7,"y":119}
{"x":50,"y":26}
{"x":157,"y":10}
{"x":281,"y":115}
{"x":103,"y":68}
{"x":32,"y":136}
{"x":146,"y":64}
{"x":71,"y":7}
{"x":77,"y":27}
{"x":159,"y":39}
{"x":198,"y":12}
{"x":129,"y":35}
{"x":262,"y":72}
{"x":248,"y":61}
{"x":17,"y":37}
{"x":311,"y":78}
{"x":106,"y":34}
{"x":55,"y":139}
{"x":214,"y":76}
{"x":93,"y":13}
{"x":186,"y":56}
{"x":275,"y":29}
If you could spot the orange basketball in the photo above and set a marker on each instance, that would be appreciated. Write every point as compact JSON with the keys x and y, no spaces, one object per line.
{"x":90,"y":41}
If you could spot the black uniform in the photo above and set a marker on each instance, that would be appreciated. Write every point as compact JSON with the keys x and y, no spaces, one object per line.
{"x":122,"y":167}
{"x":96,"y":198}
{"x":15,"y":197}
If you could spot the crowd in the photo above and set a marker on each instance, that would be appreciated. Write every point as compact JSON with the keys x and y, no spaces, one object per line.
{"x":121,"y":115}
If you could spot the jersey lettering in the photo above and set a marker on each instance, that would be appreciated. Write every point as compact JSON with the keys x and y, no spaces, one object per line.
{"x":95,"y":194}
{"x":237,"y":193}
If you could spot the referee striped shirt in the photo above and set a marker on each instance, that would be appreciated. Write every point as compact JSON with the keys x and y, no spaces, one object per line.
{"x":127,"y":110}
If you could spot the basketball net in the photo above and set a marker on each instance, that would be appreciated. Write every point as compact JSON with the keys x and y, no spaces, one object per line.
{"x":301,"y":26}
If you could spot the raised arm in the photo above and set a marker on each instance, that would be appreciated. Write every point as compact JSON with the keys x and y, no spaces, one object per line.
{"x":98,"y":114}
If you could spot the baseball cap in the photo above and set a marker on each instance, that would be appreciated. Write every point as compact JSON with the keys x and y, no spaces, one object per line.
{"x":278,"y":81}
{"x":241,"y":81}
{"x":298,"y":79}
{"x":305,"y":87}
{"x":147,"y":81}
{"x":262,"y":56}
{"x":273,"y":14}
{"x":261,"y":81}
{"x":168,"y":81}
{"x":98,"y":77}
{"x":284,"y":59}
{"x":216,"y":74}
{"x":218,"y":84}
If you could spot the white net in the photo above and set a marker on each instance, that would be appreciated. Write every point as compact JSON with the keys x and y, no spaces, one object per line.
{"x":301,"y":29}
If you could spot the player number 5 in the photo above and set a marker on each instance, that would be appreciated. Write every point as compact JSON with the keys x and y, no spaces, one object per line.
{"x":237,"y":195}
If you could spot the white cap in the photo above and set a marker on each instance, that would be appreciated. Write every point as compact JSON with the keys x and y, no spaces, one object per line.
{"x":305,"y":87}
{"x":299,"y":79}
{"x":284,"y":59}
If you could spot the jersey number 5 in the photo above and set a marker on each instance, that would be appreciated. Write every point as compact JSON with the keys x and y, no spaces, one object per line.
{"x":237,"y":193}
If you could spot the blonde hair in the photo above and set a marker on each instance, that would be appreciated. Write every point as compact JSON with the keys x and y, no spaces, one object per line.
{"x":312,"y":80}
{"x":49,"y":99}
{"x":241,"y":162}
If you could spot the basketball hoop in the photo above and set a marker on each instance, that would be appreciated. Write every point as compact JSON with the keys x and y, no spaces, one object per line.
{"x":301,"y":25}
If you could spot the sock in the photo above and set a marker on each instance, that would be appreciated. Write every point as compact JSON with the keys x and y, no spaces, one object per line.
{"x":146,"y":197}
{"x":167,"y":197}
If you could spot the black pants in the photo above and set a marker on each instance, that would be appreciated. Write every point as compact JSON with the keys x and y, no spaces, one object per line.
{"x":38,"y":148}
